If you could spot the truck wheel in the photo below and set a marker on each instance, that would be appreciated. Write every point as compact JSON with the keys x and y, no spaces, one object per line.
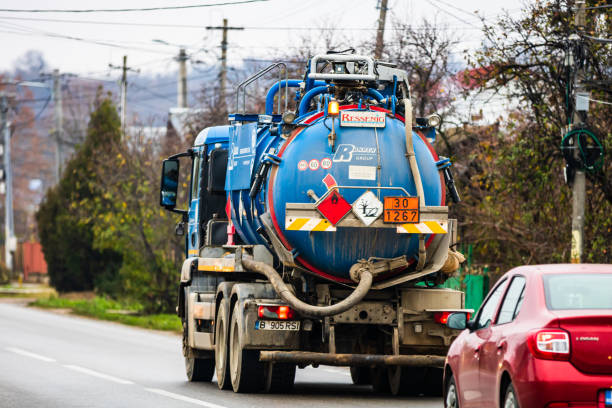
{"x":380,"y":380}
{"x":247,"y":373}
{"x":361,"y":375}
{"x":407,"y":380}
{"x":199,"y":369}
{"x":221,"y":346}
{"x":280,"y":378}
{"x":434,"y":381}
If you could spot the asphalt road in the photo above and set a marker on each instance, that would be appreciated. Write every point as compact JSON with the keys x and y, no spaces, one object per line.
{"x":53,"y":360}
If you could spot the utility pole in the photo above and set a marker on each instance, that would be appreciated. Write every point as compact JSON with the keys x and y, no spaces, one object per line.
{"x":9,"y":234}
{"x":223,"y":72}
{"x":182,"y":79}
{"x":59,"y":124}
{"x":123,"y":103}
{"x":382,"y":5}
{"x":579,"y":182}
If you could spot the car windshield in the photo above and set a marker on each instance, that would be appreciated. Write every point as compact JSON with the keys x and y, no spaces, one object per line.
{"x":577,"y":291}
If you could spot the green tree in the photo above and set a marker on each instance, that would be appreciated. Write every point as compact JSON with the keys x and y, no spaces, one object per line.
{"x":517,"y":207}
{"x":66,"y":234}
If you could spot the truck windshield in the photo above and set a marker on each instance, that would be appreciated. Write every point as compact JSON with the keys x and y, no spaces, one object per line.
{"x":578,"y":291}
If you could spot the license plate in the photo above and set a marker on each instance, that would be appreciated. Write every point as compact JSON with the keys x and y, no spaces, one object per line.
{"x":401,"y":210}
{"x":292,"y":325}
{"x":608,"y":398}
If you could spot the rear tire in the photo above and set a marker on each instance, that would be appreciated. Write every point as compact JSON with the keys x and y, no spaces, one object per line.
{"x":406,"y":380}
{"x":199,"y":369}
{"x":510,"y":400}
{"x":221,"y":346}
{"x":452,"y":395}
{"x":380,"y":380}
{"x":361,"y":375}
{"x":247,"y":373}
{"x":280,"y":377}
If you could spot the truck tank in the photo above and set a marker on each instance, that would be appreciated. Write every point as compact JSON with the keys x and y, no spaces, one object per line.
{"x":278,"y":183}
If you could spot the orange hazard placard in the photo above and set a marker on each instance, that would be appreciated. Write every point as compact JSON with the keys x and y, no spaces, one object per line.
{"x":401,"y":210}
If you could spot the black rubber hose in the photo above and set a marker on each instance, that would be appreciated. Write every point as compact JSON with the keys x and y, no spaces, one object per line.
{"x":365,"y":282}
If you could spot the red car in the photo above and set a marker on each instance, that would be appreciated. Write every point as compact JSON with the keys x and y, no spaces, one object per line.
{"x":542,"y":338}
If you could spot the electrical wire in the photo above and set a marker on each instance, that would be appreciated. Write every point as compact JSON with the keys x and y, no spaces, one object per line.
{"x":599,"y":7}
{"x":595,"y":100}
{"x":228,"y":3}
{"x":597,"y":39}
{"x":36,"y":117}
{"x":199,"y":27}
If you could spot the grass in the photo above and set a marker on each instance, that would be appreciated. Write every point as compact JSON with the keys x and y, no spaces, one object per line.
{"x":107,"y":309}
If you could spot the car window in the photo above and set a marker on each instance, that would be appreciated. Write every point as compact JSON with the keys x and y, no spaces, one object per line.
{"x":195,"y":178}
{"x":508,"y":310}
{"x":576,"y":291}
{"x":488,"y":308}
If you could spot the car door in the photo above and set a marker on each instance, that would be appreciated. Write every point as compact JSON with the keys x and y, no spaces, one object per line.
{"x":468,"y":376}
{"x":494,"y":346}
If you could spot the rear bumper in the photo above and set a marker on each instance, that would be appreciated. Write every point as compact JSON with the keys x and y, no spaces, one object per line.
{"x":543,"y":382}
{"x":306,"y":357}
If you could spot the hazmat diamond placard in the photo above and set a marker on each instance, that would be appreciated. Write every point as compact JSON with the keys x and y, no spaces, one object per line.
{"x":333,"y":207}
{"x":368,"y":208}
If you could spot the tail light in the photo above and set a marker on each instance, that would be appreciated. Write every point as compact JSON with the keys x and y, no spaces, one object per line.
{"x":442,"y":317}
{"x":549,"y":344}
{"x":275,"y":312}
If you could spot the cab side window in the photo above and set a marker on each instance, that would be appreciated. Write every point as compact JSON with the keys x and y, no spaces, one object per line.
{"x":488,"y":308}
{"x":195,"y":178}
{"x":512,"y":301}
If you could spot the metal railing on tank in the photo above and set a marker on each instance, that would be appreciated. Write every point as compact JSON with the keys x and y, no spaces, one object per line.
{"x":281,"y":66}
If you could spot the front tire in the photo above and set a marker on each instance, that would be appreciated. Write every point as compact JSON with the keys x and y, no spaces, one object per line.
{"x":510,"y":400}
{"x":247,"y":373}
{"x":196,"y":369}
{"x":452,"y":395}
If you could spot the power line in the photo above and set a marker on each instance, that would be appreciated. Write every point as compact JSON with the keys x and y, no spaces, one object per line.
{"x":599,"y":7}
{"x":229,"y":3}
{"x":199,"y":27}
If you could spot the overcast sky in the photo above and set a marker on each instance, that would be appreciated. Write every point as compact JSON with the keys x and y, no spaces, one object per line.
{"x":269,"y":26}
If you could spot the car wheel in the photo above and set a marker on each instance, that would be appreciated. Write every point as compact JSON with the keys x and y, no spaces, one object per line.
{"x":452,"y":395}
{"x":196,"y":369}
{"x":221,"y":342}
{"x":510,"y":400}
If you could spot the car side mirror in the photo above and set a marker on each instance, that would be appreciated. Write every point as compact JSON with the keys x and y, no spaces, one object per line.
{"x":169,"y":184}
{"x":457,"y":321}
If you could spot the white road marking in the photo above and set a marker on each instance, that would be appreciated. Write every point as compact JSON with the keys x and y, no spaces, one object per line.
{"x":183,"y":398}
{"x":97,"y":374}
{"x":29,"y":354}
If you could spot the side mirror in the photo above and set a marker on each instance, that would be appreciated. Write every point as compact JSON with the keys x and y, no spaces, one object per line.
{"x":180,"y":229}
{"x":169,"y":183}
{"x":457,"y":321}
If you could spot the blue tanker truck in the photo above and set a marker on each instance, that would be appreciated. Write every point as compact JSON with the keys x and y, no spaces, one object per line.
{"x":317,"y":234}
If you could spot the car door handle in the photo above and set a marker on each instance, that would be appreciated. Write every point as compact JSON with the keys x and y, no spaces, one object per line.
{"x":501,"y":345}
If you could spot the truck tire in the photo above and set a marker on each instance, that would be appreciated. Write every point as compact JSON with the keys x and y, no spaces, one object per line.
{"x":221,"y":346}
{"x":380,"y":380}
{"x":247,"y":373}
{"x":361,"y":375}
{"x":280,"y":378}
{"x":196,"y":369}
{"x":199,"y":369}
{"x":434,"y":381}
